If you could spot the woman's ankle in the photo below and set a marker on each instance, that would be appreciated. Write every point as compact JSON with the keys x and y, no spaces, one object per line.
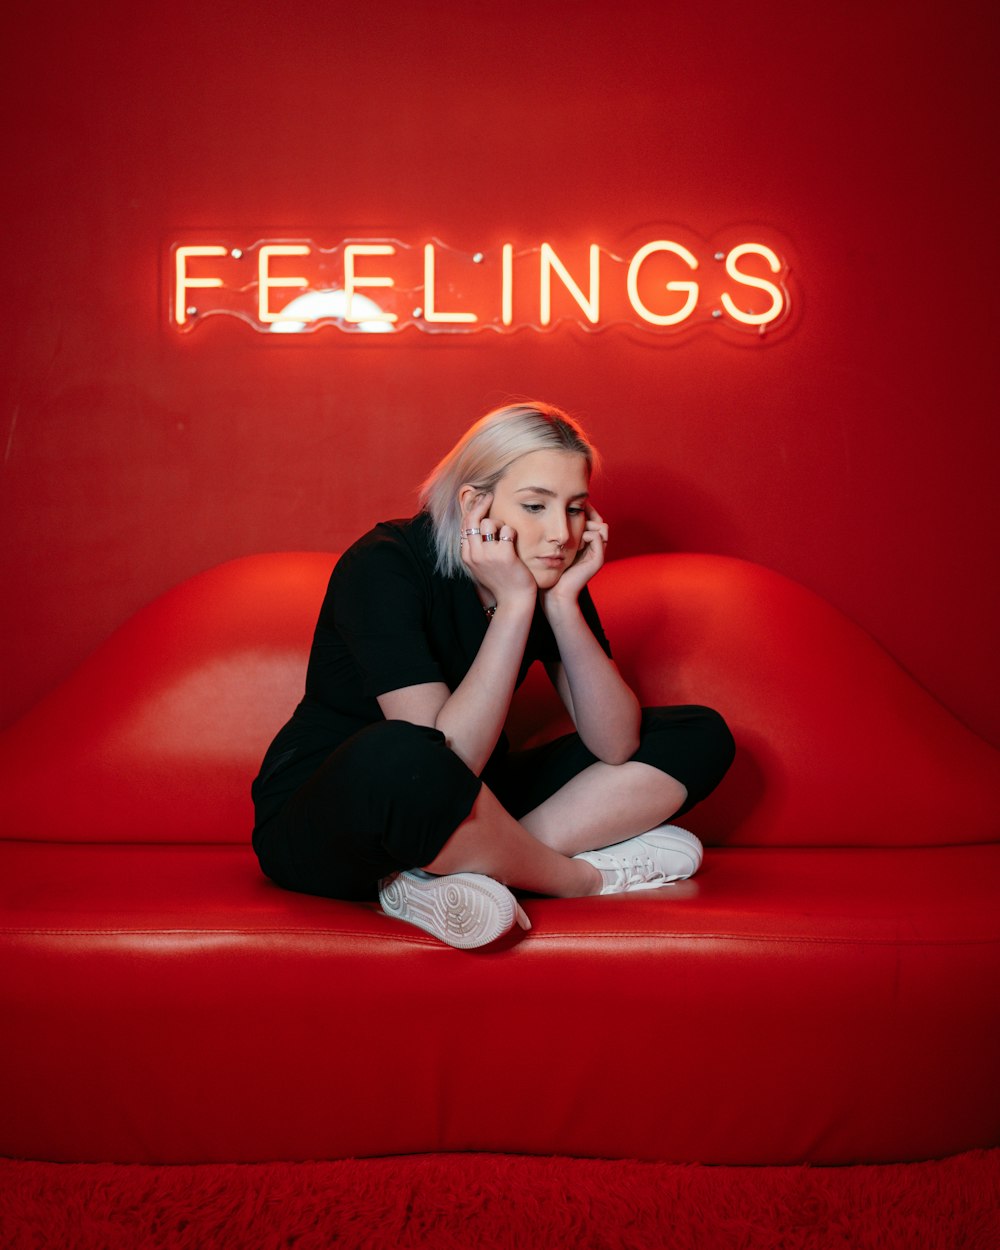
{"x":589,"y":882}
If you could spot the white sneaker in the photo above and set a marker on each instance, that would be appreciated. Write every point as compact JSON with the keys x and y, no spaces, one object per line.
{"x":464,"y":909}
{"x":666,"y":853}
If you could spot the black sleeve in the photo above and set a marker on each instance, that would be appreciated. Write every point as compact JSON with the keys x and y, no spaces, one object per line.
{"x":379,"y":601}
{"x":589,"y":610}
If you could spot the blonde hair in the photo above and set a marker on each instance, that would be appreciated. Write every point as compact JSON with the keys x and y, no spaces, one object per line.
{"x":483,"y":455}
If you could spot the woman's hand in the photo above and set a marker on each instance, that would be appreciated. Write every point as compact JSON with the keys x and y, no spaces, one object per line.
{"x":589,"y":559}
{"x":489,"y":552}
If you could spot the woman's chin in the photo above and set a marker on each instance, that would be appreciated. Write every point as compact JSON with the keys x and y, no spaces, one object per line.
{"x":546,"y":578}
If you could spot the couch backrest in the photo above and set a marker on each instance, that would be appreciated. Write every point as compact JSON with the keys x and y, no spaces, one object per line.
{"x":159,"y":733}
{"x":837,"y":744}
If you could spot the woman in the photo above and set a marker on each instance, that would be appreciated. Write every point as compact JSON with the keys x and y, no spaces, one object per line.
{"x":394,"y":779}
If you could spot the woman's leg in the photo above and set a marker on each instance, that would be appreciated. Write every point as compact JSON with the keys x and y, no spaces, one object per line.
{"x":395,"y":797}
{"x":573,"y":804}
{"x":493,"y":843}
{"x":605,"y":804}
{"x":684,"y":753}
{"x":589,"y":804}
{"x":392,"y":798}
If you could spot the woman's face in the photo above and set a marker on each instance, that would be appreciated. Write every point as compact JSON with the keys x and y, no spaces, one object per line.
{"x":543,"y":497}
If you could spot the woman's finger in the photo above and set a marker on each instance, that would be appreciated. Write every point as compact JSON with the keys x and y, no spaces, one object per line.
{"x":472,"y":525}
{"x":596,"y":524}
{"x":479,"y":507}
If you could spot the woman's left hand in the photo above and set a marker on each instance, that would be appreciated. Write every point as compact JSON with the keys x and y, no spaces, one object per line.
{"x":589,"y":559}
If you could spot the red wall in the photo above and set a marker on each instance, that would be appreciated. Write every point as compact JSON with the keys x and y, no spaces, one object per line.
{"x":856,"y":453}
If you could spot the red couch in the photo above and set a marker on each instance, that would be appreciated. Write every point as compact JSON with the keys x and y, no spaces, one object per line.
{"x":824,"y":990}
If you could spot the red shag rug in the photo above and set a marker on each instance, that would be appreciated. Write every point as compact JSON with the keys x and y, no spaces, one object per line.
{"x":501,"y":1202}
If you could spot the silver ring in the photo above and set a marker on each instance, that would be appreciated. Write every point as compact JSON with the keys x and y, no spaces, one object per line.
{"x":505,"y":538}
{"x":489,"y":538}
{"x":469,"y":533}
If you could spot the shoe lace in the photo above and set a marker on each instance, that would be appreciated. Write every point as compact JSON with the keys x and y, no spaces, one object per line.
{"x":638,"y":868}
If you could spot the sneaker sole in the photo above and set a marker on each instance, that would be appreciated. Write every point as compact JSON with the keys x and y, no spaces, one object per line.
{"x":465,"y":910}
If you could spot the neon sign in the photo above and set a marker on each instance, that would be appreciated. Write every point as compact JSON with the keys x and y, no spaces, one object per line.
{"x":385,"y":286}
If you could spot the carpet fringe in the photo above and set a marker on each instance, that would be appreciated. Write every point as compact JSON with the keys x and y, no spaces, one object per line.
{"x":500,"y":1202}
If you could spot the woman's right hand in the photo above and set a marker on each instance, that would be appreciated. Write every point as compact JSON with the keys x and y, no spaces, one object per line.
{"x":489,"y":552}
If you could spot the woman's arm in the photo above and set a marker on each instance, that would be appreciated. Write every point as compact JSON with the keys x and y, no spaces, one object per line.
{"x":604,"y":709}
{"x":472,"y":716}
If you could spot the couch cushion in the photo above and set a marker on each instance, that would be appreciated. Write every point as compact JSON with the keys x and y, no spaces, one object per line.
{"x":167,"y":1004}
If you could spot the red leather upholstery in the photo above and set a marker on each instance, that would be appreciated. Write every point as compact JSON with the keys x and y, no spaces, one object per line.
{"x":824,"y":990}
{"x":161,"y":730}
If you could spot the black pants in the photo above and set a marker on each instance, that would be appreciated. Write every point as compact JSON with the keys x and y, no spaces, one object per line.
{"x":391,"y":796}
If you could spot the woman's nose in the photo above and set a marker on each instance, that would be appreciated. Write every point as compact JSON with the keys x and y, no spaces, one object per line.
{"x":560,"y":531}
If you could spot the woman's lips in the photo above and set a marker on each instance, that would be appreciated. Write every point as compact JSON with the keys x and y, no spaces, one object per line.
{"x":553,"y":562}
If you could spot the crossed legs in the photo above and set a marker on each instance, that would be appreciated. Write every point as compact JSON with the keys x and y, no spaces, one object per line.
{"x":602,"y":805}
{"x":386,"y":799}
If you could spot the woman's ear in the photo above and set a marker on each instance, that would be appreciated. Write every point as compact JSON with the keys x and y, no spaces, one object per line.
{"x":468,"y":495}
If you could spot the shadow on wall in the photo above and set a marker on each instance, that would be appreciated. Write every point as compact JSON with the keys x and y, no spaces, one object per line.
{"x":651,"y":509}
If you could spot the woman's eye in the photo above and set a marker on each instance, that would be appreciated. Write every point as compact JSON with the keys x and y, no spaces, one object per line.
{"x":575,"y":511}
{"x":533,"y":507}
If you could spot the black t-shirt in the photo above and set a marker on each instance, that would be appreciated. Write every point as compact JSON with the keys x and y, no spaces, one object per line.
{"x":388,"y":620}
